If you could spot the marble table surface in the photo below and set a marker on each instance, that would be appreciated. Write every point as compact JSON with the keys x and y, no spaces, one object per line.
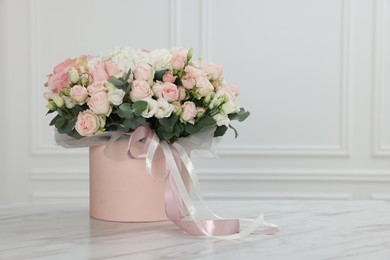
{"x":308,"y":230}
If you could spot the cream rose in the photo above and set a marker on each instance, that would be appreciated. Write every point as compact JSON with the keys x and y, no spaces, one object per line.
{"x":79,"y":94}
{"x":193,"y":72}
{"x":188,"y":82}
{"x":170,"y":92}
{"x":140,"y":90}
{"x":168,"y":77}
{"x":203,"y":86}
{"x":189,"y":112}
{"x":87,"y":123}
{"x":143,"y":71}
{"x":96,"y":87}
{"x":100,"y":103}
{"x":214,"y":71}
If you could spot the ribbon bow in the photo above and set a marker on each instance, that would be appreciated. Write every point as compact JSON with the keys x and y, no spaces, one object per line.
{"x":176,"y":191}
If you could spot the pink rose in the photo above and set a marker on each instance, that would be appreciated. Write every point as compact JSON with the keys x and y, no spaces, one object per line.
{"x":214,"y":71}
{"x":182,"y":93}
{"x":100,"y":103}
{"x":79,"y":93}
{"x":99,"y":72}
{"x":168,"y":77}
{"x":96,"y":87}
{"x":59,"y":81}
{"x":112,"y":69}
{"x":87,"y":123}
{"x":67,"y":64}
{"x":203,"y":85}
{"x":143,"y":71}
{"x":229,"y":89}
{"x":189,"y":112}
{"x":157,"y":89}
{"x":140,"y":90}
{"x":178,"y":62}
{"x":188,"y":82}
{"x":170,"y":92}
{"x":48,"y":95}
{"x":194,"y":72}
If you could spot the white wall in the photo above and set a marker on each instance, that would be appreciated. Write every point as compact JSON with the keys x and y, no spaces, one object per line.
{"x":314,"y":74}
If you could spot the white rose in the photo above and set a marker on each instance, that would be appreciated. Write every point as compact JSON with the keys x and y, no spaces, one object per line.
{"x":160,"y":59}
{"x":68,"y":102}
{"x":74,"y":76}
{"x":151,"y":109}
{"x":221,"y":119}
{"x":116,"y":96}
{"x":58,"y":100}
{"x":164,"y":109}
{"x":203,"y":86}
{"x":230,"y":107}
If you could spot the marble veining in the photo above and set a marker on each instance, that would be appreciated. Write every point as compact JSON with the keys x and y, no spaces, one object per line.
{"x":309,"y":230}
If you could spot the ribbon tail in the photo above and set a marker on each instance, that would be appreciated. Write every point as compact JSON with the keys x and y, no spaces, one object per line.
{"x":221,"y":228}
{"x":194,"y":178}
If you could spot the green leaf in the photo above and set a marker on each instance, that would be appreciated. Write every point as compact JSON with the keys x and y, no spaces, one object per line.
{"x":126,"y":115}
{"x":220,"y":131}
{"x":53,"y":121}
{"x":50,"y":111}
{"x":125,"y":107}
{"x":125,"y":111}
{"x":191,"y":129}
{"x":205,"y":121}
{"x":139,"y":107}
{"x":128,"y":75}
{"x":60,"y":122}
{"x":168,"y":123}
{"x":67,"y":127}
{"x":134,"y":123}
{"x":158,"y":75}
{"x":235,"y":131}
{"x":240,"y":116}
{"x":117,"y":82}
{"x":75,"y":134}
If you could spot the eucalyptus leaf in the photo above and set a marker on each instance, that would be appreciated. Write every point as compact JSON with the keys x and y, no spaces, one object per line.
{"x":60,"y":122}
{"x":205,"y":121}
{"x":139,"y":107}
{"x":53,"y":121}
{"x":128,"y":75}
{"x":117,"y":82}
{"x":75,"y":134}
{"x":158,"y":75}
{"x":131,"y":123}
{"x":220,"y":131}
{"x":67,"y":127}
{"x":49,"y":111}
{"x":240,"y":116}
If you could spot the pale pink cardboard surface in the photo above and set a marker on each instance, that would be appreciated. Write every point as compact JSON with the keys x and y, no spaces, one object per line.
{"x":120,"y":190}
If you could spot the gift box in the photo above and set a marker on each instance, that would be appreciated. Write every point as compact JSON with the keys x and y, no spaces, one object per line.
{"x":121,"y":190}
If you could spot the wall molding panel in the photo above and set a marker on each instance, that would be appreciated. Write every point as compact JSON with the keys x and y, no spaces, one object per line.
{"x":337,"y":150}
{"x":379,"y":148}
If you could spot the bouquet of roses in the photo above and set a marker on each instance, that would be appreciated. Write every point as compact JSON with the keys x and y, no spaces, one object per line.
{"x":164,"y":89}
